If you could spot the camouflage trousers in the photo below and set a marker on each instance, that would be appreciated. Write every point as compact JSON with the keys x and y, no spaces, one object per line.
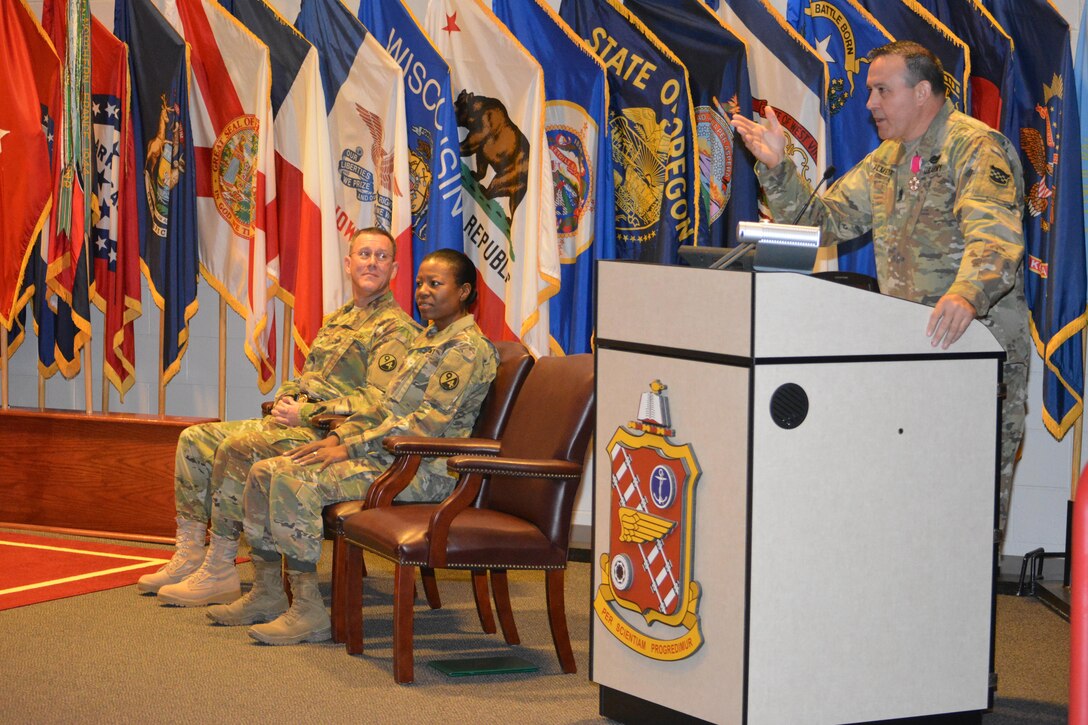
{"x":1013,"y":412}
{"x":213,"y":460}
{"x":284,"y":499}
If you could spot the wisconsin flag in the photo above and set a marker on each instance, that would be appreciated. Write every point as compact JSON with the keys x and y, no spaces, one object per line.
{"x":114,"y":250}
{"x":576,"y":125}
{"x":30,"y":71}
{"x":232,"y":146}
{"x":844,"y":35}
{"x":908,"y":20}
{"x":434,"y":161}
{"x":364,"y":102}
{"x":508,"y":215}
{"x":165,"y":188}
{"x":304,"y":207}
{"x":653,"y":131}
{"x":787,"y":75}
{"x":719,"y":87}
{"x":1045,"y":110}
{"x":990,"y":52}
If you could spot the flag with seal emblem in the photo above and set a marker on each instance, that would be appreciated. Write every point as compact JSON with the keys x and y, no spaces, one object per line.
{"x":719,"y":87}
{"x":507,"y":189}
{"x":434,"y":162}
{"x":364,"y":102}
{"x":234,"y":154}
{"x":1046,"y":113}
{"x":843,"y":34}
{"x":165,"y":186}
{"x":908,"y":20}
{"x":576,"y":124}
{"x":303,"y":206}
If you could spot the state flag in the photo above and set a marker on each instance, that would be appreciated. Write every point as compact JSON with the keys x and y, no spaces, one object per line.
{"x":990,"y":52}
{"x":908,"y":20}
{"x":653,"y":131}
{"x":165,"y":186}
{"x":720,"y":86}
{"x":434,"y":162}
{"x":1045,"y":110}
{"x":304,"y":205}
{"x":576,"y":125}
{"x":844,"y":34}
{"x":232,"y":146}
{"x":507,"y":189}
{"x":364,"y":102}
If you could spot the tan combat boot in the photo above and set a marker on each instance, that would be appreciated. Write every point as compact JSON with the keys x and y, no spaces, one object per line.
{"x":306,"y":620}
{"x":263,"y":603}
{"x":215,"y":582}
{"x":187,"y":558}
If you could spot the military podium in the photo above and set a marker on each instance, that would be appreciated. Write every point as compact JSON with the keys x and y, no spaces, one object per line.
{"x":794,"y":502}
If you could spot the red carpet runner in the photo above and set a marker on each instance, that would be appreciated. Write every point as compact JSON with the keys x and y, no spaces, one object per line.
{"x":37,"y":569}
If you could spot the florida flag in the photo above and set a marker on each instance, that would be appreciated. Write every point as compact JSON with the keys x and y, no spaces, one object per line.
{"x":507,"y":189}
{"x":364,"y":101}
{"x":305,"y":209}
{"x":232,"y":140}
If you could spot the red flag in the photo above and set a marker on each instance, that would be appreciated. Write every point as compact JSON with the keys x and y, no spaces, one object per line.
{"x":30,"y":77}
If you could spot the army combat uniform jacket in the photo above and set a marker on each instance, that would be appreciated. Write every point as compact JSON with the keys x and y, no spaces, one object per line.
{"x":945,"y":213}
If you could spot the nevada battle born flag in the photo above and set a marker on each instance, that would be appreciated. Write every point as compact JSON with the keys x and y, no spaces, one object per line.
{"x":576,"y":123}
{"x":844,"y":35}
{"x":507,"y":189}
{"x":1045,"y":111}
{"x":717,"y":65}
{"x":165,"y":190}
{"x":653,"y":131}
{"x":434,"y":161}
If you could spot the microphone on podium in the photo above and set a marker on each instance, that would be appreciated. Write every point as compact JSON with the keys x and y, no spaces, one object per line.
{"x":823,"y":180}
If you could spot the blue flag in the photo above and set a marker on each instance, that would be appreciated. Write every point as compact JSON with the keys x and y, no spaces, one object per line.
{"x":166,"y":190}
{"x":1044,"y":109}
{"x":652,"y":124}
{"x":1082,"y":103}
{"x":844,"y":35}
{"x":434,"y":161}
{"x":728,"y":191}
{"x":576,"y":125}
{"x":991,"y":52}
{"x":909,"y":21}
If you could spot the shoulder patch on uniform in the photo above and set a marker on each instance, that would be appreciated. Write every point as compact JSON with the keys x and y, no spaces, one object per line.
{"x":388,"y":362}
{"x":449,"y":380}
{"x":999,"y":176}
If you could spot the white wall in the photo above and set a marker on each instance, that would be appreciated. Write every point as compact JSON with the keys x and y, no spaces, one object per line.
{"x":1043,"y":477}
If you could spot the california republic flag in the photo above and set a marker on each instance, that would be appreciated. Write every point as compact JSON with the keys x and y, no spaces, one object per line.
{"x":364,"y":97}
{"x":507,"y":189}
{"x":232,"y":138}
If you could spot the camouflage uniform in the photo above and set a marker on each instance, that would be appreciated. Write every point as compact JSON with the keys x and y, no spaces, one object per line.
{"x":958,"y":231}
{"x":355,"y":353}
{"x":438,"y":392}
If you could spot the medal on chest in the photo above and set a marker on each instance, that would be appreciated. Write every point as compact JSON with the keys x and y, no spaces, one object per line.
{"x":915,"y":169}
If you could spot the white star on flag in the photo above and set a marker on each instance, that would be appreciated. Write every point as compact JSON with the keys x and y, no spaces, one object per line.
{"x":821,"y":50}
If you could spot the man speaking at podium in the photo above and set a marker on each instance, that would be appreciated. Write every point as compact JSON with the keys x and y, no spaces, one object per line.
{"x":943,"y":196}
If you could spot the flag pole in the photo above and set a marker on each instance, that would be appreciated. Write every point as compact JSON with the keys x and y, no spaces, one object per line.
{"x":4,"y":367}
{"x":162,"y":351}
{"x":88,"y":388}
{"x":222,"y":357}
{"x":288,"y":360}
{"x":1078,"y":429}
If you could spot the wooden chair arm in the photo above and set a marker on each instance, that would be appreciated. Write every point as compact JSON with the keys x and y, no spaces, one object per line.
{"x":438,"y":530}
{"x":266,"y":407}
{"x":392,"y":481}
{"x":517,"y":467}
{"x":440,"y":447}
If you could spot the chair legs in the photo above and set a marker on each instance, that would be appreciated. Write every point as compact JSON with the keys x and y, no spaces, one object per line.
{"x":403,"y":601}
{"x":557,"y":618}
{"x":339,"y":588}
{"x":483,"y":604}
{"x":501,"y":591}
{"x":430,"y":587}
{"x":351,"y":586}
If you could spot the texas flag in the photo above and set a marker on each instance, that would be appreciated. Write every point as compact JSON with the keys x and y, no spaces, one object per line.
{"x":232,"y":139}
{"x":311,"y":261}
{"x":364,"y":101}
{"x":507,"y":187}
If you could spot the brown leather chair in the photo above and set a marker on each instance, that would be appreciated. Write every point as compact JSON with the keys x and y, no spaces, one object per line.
{"x":520,"y":521}
{"x":515,"y":362}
